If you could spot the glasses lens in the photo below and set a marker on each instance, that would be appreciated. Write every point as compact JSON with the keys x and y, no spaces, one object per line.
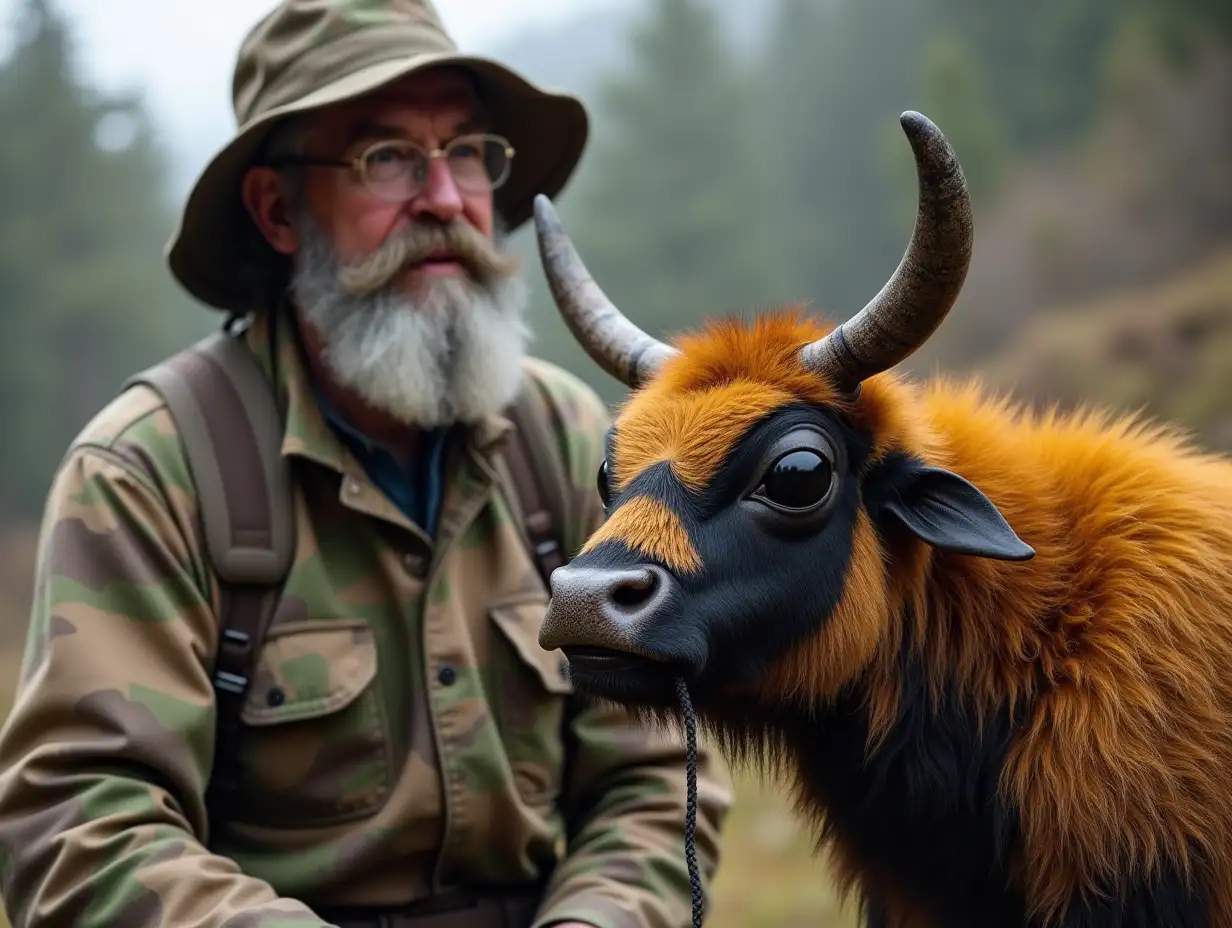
{"x":479,"y":162}
{"x":394,"y":170}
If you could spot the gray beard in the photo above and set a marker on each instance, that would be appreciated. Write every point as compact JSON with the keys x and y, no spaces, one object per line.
{"x":451,"y":353}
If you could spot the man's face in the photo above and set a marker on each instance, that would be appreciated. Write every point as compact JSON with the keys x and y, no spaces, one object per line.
{"x":428,"y":108}
{"x":410,"y":305}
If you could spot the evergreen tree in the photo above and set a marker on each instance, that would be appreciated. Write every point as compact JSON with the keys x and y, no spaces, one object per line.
{"x":954,"y":95}
{"x":86,"y":296}
{"x":836,"y":77}
{"x":672,"y":211}
{"x":1042,"y":60}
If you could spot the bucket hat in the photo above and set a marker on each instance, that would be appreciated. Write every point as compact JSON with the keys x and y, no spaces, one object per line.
{"x":308,"y":54}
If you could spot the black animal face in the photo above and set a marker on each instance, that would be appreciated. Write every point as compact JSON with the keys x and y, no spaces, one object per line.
{"x":721,"y":580}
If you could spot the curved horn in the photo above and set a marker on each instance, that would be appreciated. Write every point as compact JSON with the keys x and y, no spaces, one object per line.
{"x":615,"y":343}
{"x":915,"y":300}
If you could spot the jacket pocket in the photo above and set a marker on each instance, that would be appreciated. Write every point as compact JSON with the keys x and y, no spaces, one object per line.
{"x":530,"y":699}
{"x":315,"y":743}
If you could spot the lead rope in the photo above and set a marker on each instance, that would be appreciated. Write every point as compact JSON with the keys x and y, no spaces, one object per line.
{"x":690,"y":820}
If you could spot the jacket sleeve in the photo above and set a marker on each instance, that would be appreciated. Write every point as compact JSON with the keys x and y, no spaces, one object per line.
{"x":625,"y":798}
{"x":107,"y":749}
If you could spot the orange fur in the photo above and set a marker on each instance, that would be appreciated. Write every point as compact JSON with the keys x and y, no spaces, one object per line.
{"x":648,"y":526}
{"x":1120,"y":629}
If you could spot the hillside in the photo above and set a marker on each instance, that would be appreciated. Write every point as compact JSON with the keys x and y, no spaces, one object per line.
{"x":1166,"y":349}
{"x":1137,"y":202}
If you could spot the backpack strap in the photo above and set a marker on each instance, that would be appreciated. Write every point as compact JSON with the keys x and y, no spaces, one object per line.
{"x":539,"y":480}
{"x":231,"y":430}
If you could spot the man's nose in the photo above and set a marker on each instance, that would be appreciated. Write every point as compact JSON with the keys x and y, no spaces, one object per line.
{"x":603,"y":607}
{"x":439,"y":196}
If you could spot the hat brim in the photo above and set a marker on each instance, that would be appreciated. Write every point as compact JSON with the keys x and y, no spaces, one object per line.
{"x":548,"y":131}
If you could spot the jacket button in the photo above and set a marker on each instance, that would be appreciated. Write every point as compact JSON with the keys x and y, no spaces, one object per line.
{"x":275,"y":697}
{"x":414,"y":564}
{"x":446,"y":675}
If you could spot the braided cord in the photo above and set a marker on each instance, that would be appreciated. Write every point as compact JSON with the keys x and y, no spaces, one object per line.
{"x":690,"y":825}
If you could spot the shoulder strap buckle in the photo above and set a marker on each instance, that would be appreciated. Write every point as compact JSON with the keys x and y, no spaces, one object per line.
{"x":539,"y":480}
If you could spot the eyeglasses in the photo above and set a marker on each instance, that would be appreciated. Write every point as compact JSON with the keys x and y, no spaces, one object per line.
{"x":395,"y":170}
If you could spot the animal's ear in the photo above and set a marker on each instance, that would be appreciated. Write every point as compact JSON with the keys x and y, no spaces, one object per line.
{"x":945,"y":510}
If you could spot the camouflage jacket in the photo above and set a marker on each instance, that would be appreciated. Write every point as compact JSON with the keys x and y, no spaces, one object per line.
{"x":405,"y":733}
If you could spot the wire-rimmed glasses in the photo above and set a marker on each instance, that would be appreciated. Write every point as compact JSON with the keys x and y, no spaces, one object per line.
{"x":394,"y":170}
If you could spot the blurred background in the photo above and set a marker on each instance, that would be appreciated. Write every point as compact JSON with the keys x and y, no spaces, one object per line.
{"x":744,"y":154}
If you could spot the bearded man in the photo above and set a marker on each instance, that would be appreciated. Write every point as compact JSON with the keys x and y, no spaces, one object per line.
{"x":406,"y":755}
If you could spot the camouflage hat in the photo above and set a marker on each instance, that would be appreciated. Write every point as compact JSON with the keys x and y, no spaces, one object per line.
{"x":306,"y":54}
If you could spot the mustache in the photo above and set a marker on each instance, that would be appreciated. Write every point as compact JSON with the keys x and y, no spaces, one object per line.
{"x":466,"y":244}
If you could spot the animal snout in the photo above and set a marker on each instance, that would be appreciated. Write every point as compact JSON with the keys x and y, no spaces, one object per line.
{"x":604,"y":607}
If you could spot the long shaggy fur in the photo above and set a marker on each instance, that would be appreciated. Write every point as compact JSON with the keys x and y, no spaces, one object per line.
{"x":1115,"y":640}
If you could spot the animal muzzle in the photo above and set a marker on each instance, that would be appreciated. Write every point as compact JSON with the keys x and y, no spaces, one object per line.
{"x":607,"y":610}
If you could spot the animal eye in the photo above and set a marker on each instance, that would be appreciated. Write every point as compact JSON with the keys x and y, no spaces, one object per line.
{"x":798,"y":480}
{"x":605,"y":488}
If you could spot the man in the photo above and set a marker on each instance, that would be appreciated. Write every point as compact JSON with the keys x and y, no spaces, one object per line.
{"x":406,"y":744}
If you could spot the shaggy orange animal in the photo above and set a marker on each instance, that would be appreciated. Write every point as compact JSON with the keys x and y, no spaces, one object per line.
{"x":992,"y":648}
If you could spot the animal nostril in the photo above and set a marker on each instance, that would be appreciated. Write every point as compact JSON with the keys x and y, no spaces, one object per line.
{"x":631,"y":593}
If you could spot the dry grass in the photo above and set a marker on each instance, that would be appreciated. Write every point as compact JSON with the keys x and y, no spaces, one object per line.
{"x":769,"y":877}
